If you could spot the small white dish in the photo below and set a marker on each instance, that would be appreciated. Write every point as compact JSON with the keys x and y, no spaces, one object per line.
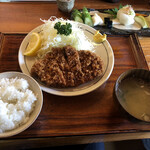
{"x":33,"y":85}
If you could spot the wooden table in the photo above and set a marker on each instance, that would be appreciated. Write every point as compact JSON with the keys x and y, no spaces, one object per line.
{"x":93,"y":117}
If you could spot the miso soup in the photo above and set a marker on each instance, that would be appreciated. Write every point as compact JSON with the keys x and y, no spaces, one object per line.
{"x":136,"y":94}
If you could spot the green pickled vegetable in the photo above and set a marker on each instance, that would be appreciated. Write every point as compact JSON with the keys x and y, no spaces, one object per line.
{"x":83,"y":17}
{"x":85,"y":10}
{"x":87,"y":17}
{"x":77,"y":16}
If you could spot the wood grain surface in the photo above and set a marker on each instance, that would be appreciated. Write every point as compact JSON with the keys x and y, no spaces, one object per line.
{"x":93,"y":117}
{"x":145,"y":45}
{"x":25,"y":16}
{"x":95,"y":113}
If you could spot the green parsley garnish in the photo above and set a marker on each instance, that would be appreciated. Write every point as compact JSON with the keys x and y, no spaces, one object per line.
{"x":114,"y":11}
{"x":65,"y":29}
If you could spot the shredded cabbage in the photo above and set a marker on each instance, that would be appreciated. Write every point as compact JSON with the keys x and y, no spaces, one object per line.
{"x":50,"y":38}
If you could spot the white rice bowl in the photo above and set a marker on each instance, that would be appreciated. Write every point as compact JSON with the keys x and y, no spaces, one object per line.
{"x":21,"y":101}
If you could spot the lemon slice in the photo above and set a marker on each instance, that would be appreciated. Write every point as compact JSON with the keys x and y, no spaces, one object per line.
{"x":142,"y":21}
{"x":34,"y":45}
{"x":98,"y":37}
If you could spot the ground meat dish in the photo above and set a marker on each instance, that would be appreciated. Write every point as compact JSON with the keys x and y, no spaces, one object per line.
{"x":67,"y":67}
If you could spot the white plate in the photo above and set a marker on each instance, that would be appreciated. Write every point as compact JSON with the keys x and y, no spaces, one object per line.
{"x":103,"y":50}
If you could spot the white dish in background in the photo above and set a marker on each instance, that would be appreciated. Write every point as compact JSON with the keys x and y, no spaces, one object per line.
{"x":116,"y":23}
{"x":134,"y":26}
{"x":103,"y":50}
{"x":33,"y":85}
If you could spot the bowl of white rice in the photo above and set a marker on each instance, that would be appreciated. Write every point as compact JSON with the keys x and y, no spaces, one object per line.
{"x":21,"y":100}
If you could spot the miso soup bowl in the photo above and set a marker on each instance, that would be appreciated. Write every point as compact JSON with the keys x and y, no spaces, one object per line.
{"x":132,"y":74}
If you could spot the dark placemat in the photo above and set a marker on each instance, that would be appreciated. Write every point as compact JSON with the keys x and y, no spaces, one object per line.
{"x":115,"y":31}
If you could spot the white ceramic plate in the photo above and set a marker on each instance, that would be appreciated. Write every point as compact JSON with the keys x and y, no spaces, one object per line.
{"x":103,"y":50}
{"x":34,"y":86}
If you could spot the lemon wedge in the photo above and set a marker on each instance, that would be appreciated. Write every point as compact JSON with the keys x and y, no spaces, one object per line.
{"x":34,"y":45}
{"x":142,"y":21}
{"x":98,"y":37}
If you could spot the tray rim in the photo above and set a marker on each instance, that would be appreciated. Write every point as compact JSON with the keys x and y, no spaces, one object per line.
{"x":137,"y":65}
